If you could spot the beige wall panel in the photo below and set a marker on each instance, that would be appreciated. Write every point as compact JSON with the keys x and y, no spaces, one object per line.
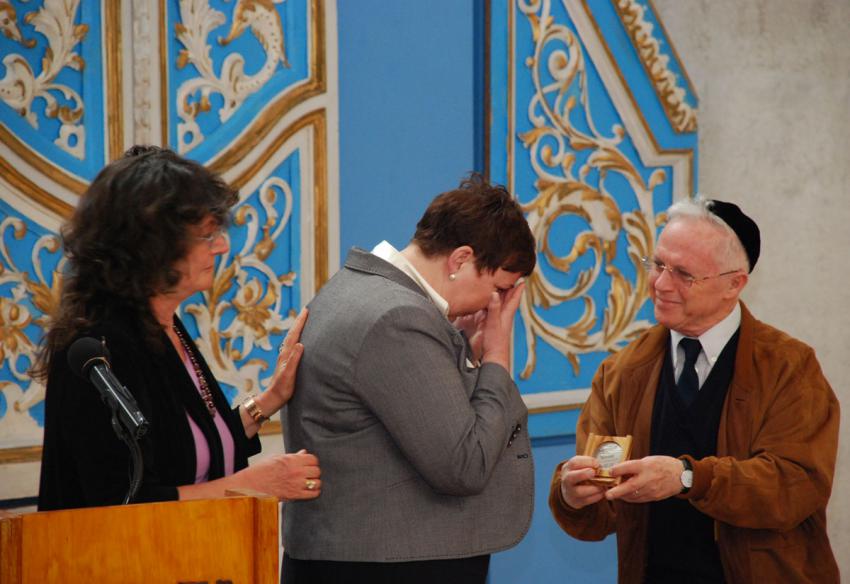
{"x":773,"y":77}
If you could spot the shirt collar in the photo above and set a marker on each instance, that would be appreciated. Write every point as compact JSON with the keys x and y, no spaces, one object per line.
{"x":388,"y":253}
{"x":714,"y":339}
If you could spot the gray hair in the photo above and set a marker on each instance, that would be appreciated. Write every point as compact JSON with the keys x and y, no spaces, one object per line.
{"x":732,"y":254}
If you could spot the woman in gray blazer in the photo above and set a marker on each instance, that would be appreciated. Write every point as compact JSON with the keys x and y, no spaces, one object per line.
{"x":404,"y":394}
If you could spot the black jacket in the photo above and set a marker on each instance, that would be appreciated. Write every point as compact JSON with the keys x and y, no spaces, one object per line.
{"x":84,"y":464}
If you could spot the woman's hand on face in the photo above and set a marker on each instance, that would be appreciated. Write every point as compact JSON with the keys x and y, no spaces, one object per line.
{"x":285,"y":476}
{"x":472,"y":326}
{"x":283,"y":381}
{"x":499,"y":324}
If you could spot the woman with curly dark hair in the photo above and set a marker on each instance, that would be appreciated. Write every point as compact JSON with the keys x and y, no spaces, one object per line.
{"x":144,"y":238}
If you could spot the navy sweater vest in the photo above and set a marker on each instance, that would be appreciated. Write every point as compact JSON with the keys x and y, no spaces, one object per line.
{"x":681,"y":538}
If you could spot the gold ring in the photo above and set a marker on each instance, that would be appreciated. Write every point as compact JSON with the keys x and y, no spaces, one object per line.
{"x":310,"y":484}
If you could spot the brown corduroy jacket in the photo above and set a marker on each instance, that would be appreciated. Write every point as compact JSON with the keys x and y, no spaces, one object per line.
{"x":769,"y":484}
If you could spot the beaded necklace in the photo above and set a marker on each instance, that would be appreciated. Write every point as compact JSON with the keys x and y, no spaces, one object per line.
{"x":206,"y":394}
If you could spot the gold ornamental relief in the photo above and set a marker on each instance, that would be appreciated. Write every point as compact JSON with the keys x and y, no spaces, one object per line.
{"x":21,"y":86}
{"x":231,"y":325}
{"x":23,"y":320}
{"x":198,"y":20}
{"x":563,"y":158}
{"x":682,"y":116}
{"x":240,"y":313}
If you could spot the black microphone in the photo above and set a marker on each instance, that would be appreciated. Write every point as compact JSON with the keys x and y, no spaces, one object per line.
{"x":89,"y":358}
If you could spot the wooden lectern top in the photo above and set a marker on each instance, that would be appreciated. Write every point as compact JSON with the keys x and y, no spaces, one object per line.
{"x":234,"y":539}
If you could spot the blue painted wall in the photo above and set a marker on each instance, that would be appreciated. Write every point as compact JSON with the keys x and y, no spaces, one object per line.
{"x":547,"y":554}
{"x":407,"y":98}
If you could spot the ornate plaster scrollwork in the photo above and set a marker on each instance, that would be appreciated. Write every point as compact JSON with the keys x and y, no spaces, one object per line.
{"x":573,"y":163}
{"x":20,"y":327}
{"x":240,"y":313}
{"x":21,"y":87}
{"x":681,"y":115}
{"x":232,"y":324}
{"x":198,"y":19}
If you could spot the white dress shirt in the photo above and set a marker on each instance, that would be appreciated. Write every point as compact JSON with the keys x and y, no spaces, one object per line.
{"x":713,"y":340}
{"x":388,"y":253}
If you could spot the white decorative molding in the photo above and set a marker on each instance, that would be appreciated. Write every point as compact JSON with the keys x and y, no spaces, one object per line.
{"x":256,"y":307}
{"x":21,"y":87}
{"x":650,"y":154}
{"x":682,"y":116}
{"x":562,"y":157}
{"x":198,"y":20}
{"x":17,"y":347}
{"x":143,"y":59}
{"x":556,"y":400}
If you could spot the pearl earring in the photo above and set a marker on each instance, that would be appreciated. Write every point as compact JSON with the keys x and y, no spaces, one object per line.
{"x":452,"y":277}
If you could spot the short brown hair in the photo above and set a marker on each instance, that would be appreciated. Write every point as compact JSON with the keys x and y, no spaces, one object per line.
{"x":483,"y":216}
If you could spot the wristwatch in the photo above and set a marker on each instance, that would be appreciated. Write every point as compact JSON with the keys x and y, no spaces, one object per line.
{"x":687,"y":477}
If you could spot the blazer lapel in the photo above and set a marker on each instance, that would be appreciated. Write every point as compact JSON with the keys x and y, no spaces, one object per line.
{"x":362,"y":261}
{"x":640,"y":385}
{"x":732,"y":436}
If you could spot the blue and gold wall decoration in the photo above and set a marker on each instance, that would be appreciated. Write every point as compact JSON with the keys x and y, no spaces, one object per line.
{"x":594,"y":130}
{"x":246,"y":87}
{"x":30,"y":276}
{"x":54,"y":85}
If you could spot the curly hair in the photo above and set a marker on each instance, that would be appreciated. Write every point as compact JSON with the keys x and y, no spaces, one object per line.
{"x":483,"y":216}
{"x":127,"y":233}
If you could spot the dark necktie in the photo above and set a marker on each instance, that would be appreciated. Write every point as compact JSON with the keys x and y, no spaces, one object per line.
{"x":688,"y":383}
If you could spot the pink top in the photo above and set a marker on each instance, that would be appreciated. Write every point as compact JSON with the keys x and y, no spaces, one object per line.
{"x":202,"y":449}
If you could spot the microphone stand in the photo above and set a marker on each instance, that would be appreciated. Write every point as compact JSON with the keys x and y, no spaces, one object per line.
{"x":129,"y":437}
{"x":128,"y":425}
{"x":90,"y":360}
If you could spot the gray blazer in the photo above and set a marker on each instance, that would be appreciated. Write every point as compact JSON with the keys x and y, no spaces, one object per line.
{"x":422,"y":457}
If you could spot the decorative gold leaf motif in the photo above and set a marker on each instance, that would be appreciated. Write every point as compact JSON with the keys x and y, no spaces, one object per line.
{"x":682,"y":116}
{"x":21,"y":87}
{"x":230,"y":328}
{"x":18,"y":340}
{"x":563,"y":158}
{"x":243,"y":308}
{"x":222,"y":283}
{"x":182,"y":58}
{"x":198,"y":20}
{"x":45,"y":298}
{"x":266,"y":245}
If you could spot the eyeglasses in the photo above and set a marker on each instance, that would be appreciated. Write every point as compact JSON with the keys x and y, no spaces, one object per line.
{"x":679,"y":276}
{"x":212,"y":237}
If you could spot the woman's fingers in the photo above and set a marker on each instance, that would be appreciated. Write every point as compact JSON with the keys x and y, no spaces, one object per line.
{"x":510,"y":303}
{"x":294,"y":334}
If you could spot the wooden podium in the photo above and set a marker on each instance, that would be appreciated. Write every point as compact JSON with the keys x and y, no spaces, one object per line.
{"x":218,"y":541}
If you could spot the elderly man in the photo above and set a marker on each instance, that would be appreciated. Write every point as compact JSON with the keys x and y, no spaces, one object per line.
{"x":735,"y":428}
